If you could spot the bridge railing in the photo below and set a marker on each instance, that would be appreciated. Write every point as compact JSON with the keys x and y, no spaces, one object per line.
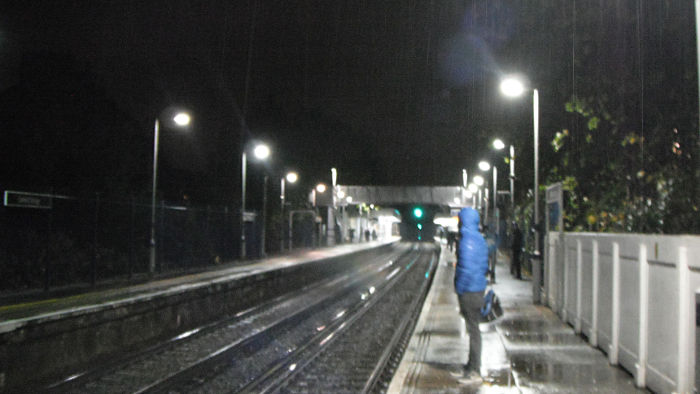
{"x":634,"y":297}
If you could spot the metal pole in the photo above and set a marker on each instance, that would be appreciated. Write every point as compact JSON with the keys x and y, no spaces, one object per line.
{"x":486,"y":204}
{"x":330,"y":225}
{"x":497,"y":224}
{"x":264,"y":216}
{"x":291,"y":223}
{"x":512,"y":180}
{"x":495,"y":193}
{"x":536,"y":269}
{"x":536,"y":126}
{"x":464,"y":184}
{"x":152,"y":244}
{"x":697,"y":43}
{"x":282,"y":184}
{"x":243,"y":181}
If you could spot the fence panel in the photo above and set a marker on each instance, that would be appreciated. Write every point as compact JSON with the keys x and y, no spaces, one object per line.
{"x":634,"y":296}
{"x":79,"y":241}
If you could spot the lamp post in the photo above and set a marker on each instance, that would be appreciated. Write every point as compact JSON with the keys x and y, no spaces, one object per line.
{"x":464,"y":186}
{"x":291,"y":177}
{"x":261,"y":152}
{"x":499,"y":145}
{"x":181,"y":119}
{"x":479,"y":182}
{"x":512,"y":87}
{"x":485,"y":166}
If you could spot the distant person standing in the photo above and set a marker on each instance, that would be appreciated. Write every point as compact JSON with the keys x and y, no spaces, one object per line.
{"x":470,"y":283}
{"x":517,"y":250}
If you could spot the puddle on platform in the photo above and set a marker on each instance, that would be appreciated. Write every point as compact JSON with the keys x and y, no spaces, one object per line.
{"x":526,"y":325}
{"x":498,"y":377}
{"x":534,"y":370}
{"x":521,"y":338}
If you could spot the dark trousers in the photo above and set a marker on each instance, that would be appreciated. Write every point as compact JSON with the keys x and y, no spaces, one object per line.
{"x":515,"y":264}
{"x":470,"y":306}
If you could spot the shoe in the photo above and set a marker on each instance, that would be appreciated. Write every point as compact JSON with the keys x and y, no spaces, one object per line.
{"x":471,"y":378}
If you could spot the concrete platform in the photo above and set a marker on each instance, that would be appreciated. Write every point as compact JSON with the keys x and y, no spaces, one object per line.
{"x":44,"y":341}
{"x":528,"y":350}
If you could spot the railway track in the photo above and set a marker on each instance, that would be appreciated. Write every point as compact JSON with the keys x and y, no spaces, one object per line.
{"x":340,"y":334}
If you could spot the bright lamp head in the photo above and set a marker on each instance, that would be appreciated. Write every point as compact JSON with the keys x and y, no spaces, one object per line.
{"x":261,"y":151}
{"x":182,"y":119}
{"x":512,"y":87}
{"x":498,"y":144}
{"x":292,"y":177}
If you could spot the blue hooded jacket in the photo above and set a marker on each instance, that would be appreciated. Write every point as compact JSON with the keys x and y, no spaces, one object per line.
{"x":472,"y":254}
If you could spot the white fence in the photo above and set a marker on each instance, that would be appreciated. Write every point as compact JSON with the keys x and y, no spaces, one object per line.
{"x":634,"y":297}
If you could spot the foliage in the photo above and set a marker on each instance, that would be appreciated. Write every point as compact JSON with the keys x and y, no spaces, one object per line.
{"x":628,"y":155}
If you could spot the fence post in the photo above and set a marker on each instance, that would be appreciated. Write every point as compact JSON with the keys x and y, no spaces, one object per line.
{"x":565,"y":279}
{"x":579,"y":286}
{"x":613,"y":353}
{"x":47,"y":255}
{"x":95,"y":245}
{"x":641,"y":366}
{"x":551,"y":268}
{"x":593,"y":337}
{"x":159,"y":243}
{"x":683,"y":384}
{"x":132,"y":253}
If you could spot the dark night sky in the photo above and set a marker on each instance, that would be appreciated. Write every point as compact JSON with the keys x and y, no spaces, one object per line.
{"x":389,"y":92}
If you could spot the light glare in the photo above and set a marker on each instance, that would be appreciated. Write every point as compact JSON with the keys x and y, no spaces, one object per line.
{"x":484,"y":165}
{"x":479,"y":180}
{"x":498,"y":144}
{"x":261,"y":151}
{"x":182,"y":119}
{"x":512,"y":87}
{"x":473,"y":188}
{"x":321,"y":188}
{"x":292,"y":177}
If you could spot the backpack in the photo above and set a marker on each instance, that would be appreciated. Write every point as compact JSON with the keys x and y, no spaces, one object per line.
{"x":491,"y":310}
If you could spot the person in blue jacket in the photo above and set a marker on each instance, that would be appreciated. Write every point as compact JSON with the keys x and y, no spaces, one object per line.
{"x":470,"y":283}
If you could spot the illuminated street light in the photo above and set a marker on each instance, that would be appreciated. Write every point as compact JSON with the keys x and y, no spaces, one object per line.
{"x":261,"y":152}
{"x":498,"y":144}
{"x":321,"y":188}
{"x":348,"y":199}
{"x":478,"y":180}
{"x":484,"y":165}
{"x":512,"y":87}
{"x":291,"y":177}
{"x":181,"y":119}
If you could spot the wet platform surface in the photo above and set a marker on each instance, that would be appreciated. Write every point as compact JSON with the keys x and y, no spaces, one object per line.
{"x":528,"y":350}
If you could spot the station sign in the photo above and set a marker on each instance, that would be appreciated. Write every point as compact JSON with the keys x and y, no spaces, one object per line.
{"x":27,"y":200}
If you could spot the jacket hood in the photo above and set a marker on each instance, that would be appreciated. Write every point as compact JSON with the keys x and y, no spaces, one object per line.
{"x":469,"y":219}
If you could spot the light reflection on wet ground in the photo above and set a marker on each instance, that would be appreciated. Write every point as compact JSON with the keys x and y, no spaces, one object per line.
{"x":528,"y":350}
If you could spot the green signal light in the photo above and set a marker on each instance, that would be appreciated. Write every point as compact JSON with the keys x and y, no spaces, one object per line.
{"x":418,"y":213}
{"x":420,"y":226}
